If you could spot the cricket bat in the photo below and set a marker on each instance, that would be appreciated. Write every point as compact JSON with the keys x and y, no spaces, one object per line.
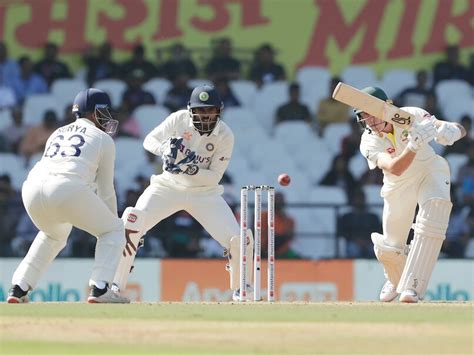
{"x":373,"y":106}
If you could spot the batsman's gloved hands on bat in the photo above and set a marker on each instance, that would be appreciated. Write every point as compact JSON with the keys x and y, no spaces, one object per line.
{"x":421,"y":134}
{"x":448,"y":133}
{"x":170,"y":152}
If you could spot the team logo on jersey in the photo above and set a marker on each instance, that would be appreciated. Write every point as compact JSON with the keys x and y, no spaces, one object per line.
{"x":132,"y":218}
{"x":390,"y":150}
{"x":405,"y":135}
{"x":203,"y":96}
{"x":210,"y":147}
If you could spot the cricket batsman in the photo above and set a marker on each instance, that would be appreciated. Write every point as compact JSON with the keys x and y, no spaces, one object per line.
{"x":414,"y":175}
{"x":73,"y":185}
{"x":196,"y":147}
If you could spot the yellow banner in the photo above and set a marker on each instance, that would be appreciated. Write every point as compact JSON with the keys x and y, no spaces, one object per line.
{"x":332,"y":33}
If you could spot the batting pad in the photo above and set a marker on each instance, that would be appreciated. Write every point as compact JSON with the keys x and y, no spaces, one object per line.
{"x":234,"y":260}
{"x":393,"y":259}
{"x":430,"y":232}
{"x":134,"y":222}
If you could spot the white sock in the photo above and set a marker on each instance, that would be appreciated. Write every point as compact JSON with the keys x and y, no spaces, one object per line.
{"x":98,"y":284}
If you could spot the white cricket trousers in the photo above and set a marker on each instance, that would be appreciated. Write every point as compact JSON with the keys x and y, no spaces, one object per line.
{"x":433,"y":181}
{"x":207,"y":207}
{"x":56,"y":204}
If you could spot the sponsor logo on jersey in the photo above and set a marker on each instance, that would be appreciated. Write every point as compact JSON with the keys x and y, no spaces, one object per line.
{"x":390,"y":150}
{"x":132,"y":218}
{"x":210,"y":147}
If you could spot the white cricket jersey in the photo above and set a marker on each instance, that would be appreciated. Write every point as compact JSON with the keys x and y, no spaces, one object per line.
{"x":81,"y":151}
{"x":372,"y":145}
{"x":213,"y":151}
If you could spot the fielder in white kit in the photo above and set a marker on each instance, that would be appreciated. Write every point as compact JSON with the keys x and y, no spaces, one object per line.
{"x":413,"y":175}
{"x":72,"y":185}
{"x":196,"y":147}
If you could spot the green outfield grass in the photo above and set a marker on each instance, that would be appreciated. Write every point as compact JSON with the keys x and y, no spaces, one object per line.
{"x":215,"y":328}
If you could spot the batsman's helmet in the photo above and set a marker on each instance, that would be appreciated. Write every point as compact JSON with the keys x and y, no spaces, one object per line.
{"x":376,"y":92}
{"x":98,"y":102}
{"x":203,"y":97}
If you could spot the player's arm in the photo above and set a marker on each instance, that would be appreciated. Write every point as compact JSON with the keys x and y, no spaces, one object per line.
{"x":154,"y":141}
{"x":448,"y":132}
{"x":396,"y":165}
{"x":105,"y":174}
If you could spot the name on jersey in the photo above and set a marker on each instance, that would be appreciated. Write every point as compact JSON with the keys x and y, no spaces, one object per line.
{"x":72,"y":128}
{"x":198,"y":158}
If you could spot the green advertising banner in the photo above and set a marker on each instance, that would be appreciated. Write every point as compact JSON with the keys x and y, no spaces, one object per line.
{"x":333,"y":33}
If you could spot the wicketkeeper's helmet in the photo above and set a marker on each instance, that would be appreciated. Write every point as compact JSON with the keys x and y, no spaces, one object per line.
{"x":205,"y":96}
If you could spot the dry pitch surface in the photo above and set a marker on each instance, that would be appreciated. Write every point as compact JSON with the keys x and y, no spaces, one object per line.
{"x":225,"y":328}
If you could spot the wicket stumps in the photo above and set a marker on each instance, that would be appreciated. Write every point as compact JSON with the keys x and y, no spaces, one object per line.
{"x":257,"y":241}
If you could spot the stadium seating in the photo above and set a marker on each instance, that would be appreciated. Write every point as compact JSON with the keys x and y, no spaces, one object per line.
{"x":359,"y":76}
{"x":455,"y":161}
{"x":314,"y":82}
{"x":15,"y":167}
{"x":36,"y":105}
{"x":158,"y":87}
{"x":333,"y":135}
{"x":5,"y":118}
{"x":448,"y":90}
{"x":267,"y":101}
{"x":114,"y":87}
{"x":65,"y":90}
{"x":395,"y":80}
{"x":149,"y":116}
{"x":244,"y":90}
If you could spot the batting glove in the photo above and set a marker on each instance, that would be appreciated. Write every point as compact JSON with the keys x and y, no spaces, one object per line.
{"x":421,"y":134}
{"x":448,"y":133}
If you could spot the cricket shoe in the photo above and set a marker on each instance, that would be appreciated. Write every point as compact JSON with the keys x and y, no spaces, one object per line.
{"x":388,"y":292}
{"x":409,"y":296}
{"x":17,"y":295}
{"x":236,"y":294}
{"x":105,"y":295}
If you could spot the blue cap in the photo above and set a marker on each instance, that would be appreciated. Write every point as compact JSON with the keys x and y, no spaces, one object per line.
{"x":88,"y":100}
{"x":205,"y":96}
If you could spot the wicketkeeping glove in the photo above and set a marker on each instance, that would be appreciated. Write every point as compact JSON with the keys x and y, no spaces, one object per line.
{"x":421,"y":134}
{"x":448,"y":133}
{"x":170,"y":152}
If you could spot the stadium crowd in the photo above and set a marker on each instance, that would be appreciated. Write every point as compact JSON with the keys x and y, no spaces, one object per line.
{"x":180,"y":235}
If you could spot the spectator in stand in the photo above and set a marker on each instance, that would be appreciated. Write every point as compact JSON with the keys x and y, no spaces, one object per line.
{"x":264,"y":69}
{"x":138,"y":61}
{"x":10,"y":210}
{"x":416,"y":95}
{"x":179,"y":62}
{"x":16,"y":130}
{"x":462,"y":145}
{"x":35,"y":138}
{"x":28,"y":82}
{"x":356,"y":227}
{"x":177,"y":97}
{"x":465,"y":181}
{"x":351,"y":142}
{"x":457,"y":235}
{"x":450,"y":68}
{"x":284,"y":231}
{"x":225,"y":92}
{"x":9,"y":69}
{"x":135,"y":95}
{"x":222,"y":64}
{"x":431,"y":106}
{"x":293,"y":110}
{"x":99,"y":64}
{"x":339,"y":175}
{"x":331,"y":111}
{"x":7,"y":96}
{"x":50,"y":68}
